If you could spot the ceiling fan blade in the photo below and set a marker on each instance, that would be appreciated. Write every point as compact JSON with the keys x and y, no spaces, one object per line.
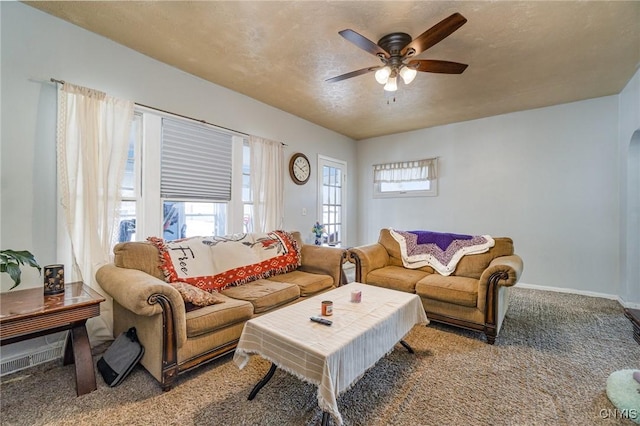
{"x":363,"y":43}
{"x":443,"y":67}
{"x":352,"y":74}
{"x":435,"y":34}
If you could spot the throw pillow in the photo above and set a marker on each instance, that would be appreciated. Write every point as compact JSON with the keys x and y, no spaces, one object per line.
{"x":196,"y":296}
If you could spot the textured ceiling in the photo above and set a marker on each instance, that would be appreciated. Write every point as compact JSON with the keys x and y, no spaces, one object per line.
{"x":521,"y":55}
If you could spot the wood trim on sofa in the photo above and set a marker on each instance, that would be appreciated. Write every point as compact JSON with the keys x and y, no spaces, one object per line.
{"x":171,"y":369}
{"x":355,"y":259}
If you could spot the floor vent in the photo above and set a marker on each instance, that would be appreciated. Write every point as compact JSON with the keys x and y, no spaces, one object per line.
{"x":36,"y":357}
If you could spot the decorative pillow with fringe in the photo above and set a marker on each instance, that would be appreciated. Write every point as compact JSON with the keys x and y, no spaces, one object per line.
{"x":215,"y":263}
{"x":195,"y":296}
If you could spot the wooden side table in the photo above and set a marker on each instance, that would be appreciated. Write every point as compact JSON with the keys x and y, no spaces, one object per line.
{"x":25,"y":314}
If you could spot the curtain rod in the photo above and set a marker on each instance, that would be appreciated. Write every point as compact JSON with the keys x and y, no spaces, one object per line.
{"x":191,"y":118}
{"x":178,"y":115}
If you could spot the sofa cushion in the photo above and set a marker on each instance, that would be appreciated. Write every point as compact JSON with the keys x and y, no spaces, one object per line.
{"x":264,"y":295}
{"x":308,"y":283}
{"x":396,"y":278}
{"x":215,"y":317}
{"x":457,"y":290}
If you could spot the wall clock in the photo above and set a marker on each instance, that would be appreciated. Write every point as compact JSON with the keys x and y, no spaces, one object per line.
{"x":299,"y":168}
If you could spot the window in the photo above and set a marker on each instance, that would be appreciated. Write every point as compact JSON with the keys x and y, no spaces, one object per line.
{"x":180,"y":177}
{"x":406,"y":179}
{"x":195,"y":179}
{"x":182,"y":219}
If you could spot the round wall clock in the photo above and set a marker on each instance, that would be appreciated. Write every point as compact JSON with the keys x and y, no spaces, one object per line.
{"x":299,"y":168}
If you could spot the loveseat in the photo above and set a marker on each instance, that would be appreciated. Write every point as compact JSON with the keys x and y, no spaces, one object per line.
{"x":474,"y":295}
{"x":182,"y":326}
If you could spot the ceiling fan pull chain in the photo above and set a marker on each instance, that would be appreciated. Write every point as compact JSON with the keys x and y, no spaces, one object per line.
{"x":391,"y":98}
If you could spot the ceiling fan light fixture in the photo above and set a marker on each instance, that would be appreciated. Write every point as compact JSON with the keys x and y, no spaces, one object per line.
{"x":392,"y":84}
{"x":408,"y":74}
{"x":382,"y":75}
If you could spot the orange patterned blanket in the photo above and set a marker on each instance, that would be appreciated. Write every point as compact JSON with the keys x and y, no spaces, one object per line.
{"x":215,"y":263}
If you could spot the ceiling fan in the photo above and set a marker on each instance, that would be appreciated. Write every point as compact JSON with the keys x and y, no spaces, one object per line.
{"x":395,"y":50}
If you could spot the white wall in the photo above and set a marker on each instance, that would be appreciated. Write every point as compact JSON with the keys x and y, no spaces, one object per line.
{"x":547,"y":177}
{"x":629,"y":154}
{"x":37,"y":46}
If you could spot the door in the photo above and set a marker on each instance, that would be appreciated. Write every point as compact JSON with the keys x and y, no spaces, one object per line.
{"x":332,"y":199}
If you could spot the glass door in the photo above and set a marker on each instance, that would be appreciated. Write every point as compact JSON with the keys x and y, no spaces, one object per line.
{"x":331,"y":193}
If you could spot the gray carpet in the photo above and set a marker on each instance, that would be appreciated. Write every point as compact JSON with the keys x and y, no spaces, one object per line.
{"x":549,"y":366}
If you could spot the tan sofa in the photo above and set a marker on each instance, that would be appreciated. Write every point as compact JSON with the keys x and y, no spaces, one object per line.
{"x":475,"y":296}
{"x":177,"y":339}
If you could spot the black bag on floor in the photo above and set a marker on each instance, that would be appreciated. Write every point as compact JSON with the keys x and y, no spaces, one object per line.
{"x":120,"y":358}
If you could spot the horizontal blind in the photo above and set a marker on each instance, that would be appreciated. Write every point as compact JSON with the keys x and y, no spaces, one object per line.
{"x":196,"y":161}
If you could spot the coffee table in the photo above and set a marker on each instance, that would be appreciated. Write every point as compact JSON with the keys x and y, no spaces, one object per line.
{"x":331,"y":357}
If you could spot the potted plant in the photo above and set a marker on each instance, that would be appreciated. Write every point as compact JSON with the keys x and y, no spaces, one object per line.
{"x":12,"y":260}
{"x":318,"y":230}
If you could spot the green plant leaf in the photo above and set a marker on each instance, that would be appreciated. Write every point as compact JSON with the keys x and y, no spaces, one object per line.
{"x":13,"y":269}
{"x":11,"y":260}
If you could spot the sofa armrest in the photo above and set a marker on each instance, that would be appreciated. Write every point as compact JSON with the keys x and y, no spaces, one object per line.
{"x":324,"y":260}
{"x":145,"y":295}
{"x":504,"y":270}
{"x":368,"y":258}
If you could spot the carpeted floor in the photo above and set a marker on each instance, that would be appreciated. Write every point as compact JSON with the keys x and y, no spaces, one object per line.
{"x":549,"y":366}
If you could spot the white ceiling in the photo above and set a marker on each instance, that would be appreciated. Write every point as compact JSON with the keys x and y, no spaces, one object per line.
{"x":521,"y":55}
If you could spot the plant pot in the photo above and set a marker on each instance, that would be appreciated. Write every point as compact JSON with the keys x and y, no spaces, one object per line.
{"x":53,"y":279}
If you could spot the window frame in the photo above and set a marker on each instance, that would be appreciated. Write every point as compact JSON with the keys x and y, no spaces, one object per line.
{"x":408,"y":193}
{"x":136,"y":197}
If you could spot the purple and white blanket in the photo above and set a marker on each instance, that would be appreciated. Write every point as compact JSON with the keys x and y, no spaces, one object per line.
{"x":441,"y":251}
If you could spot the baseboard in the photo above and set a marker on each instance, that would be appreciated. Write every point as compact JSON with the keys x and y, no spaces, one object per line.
{"x":627,"y":305}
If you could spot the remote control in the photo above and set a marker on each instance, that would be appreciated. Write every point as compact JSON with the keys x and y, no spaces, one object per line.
{"x":321,"y":320}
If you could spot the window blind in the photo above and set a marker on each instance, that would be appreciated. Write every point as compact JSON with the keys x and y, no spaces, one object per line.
{"x":195,"y":161}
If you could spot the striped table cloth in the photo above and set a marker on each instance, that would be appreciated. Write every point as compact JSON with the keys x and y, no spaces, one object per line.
{"x":332,"y":358}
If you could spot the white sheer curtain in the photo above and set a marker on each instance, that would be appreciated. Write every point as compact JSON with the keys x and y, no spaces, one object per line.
{"x":405,"y":171}
{"x":267,"y":183}
{"x":92,"y":143}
